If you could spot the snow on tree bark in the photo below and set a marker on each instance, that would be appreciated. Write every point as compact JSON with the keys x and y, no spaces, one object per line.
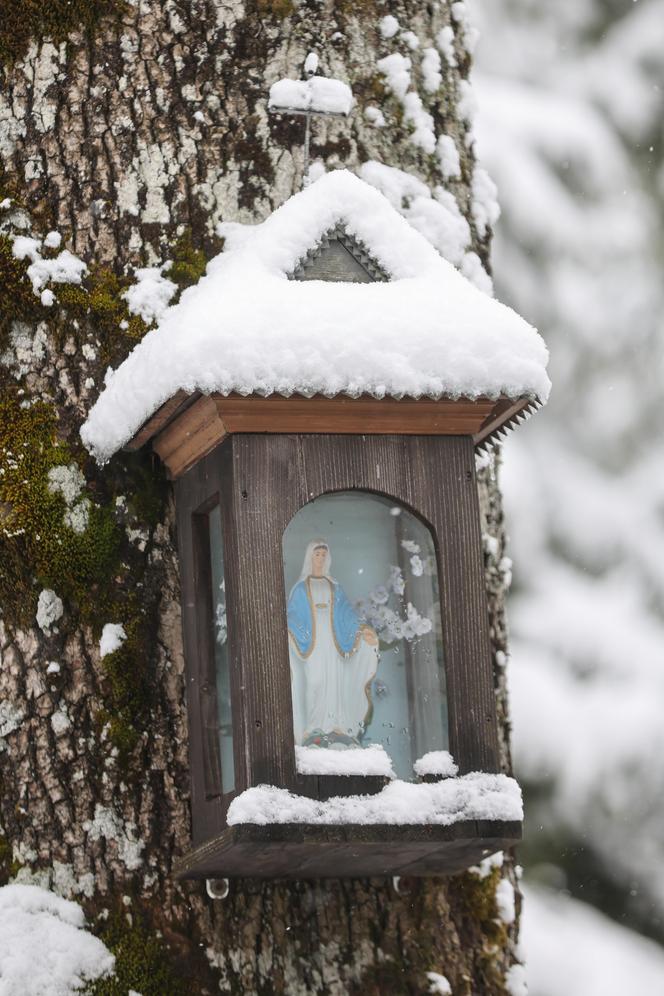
{"x":133,"y":140}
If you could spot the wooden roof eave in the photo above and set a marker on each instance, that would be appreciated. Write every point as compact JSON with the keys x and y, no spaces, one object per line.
{"x":188,"y":426}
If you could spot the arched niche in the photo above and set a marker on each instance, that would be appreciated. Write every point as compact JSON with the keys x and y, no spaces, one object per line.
{"x":364,"y":622}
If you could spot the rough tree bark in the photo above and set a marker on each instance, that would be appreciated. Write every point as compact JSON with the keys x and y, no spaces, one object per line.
{"x":132,"y":134}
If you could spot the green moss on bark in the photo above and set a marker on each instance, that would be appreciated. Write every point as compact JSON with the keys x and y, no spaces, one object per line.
{"x":143,"y":962}
{"x":98,"y":304}
{"x":38,"y":547}
{"x":477,"y":901}
{"x":360,"y":8}
{"x":275,"y":8}
{"x":128,"y":687}
{"x":188,"y":262}
{"x":5,"y":861}
{"x":23,"y":21}
{"x":18,"y":302}
{"x":98,"y":573}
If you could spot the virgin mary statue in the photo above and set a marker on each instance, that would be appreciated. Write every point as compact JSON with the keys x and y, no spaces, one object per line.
{"x":333,"y":657}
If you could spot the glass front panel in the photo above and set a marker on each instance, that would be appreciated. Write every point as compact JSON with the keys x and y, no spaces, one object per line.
{"x":364,"y":628}
{"x":222,"y":664}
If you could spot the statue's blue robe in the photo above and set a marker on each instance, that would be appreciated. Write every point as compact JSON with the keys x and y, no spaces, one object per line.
{"x":345,"y":620}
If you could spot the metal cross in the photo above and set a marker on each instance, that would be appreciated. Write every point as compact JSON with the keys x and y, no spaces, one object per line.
{"x":310,"y":67}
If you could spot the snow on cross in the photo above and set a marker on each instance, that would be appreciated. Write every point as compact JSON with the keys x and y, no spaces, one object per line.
{"x":313,"y":96}
{"x":317,"y":94}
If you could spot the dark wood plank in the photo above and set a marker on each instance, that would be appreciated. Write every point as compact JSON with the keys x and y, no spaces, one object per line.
{"x":497,"y":432}
{"x":192,"y":493}
{"x":266,"y":491}
{"x":325,"y":786}
{"x":341,"y":414}
{"x":443,"y":484}
{"x":174,"y":406}
{"x":331,"y":785}
{"x":503,"y":413}
{"x":309,"y":851}
{"x":190,"y":436}
{"x":205,"y":656}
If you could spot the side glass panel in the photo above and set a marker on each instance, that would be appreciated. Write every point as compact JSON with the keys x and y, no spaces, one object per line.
{"x":364,"y":628}
{"x":222,"y":664}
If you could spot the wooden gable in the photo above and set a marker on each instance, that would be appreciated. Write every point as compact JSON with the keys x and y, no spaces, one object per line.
{"x":340,"y":258}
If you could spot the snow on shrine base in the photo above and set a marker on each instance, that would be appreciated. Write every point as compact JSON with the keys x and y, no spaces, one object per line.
{"x":451,"y":825}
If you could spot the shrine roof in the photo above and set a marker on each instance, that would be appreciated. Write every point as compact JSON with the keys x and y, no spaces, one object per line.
{"x":248,"y":327}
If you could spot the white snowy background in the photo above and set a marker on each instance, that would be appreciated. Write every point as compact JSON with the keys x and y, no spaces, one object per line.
{"x":570,"y":126}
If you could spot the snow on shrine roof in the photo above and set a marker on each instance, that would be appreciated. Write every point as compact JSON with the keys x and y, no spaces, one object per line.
{"x":246,"y":327}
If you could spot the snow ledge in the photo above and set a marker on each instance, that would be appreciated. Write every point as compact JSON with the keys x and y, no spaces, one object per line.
{"x":372,"y":760}
{"x":476,"y":796}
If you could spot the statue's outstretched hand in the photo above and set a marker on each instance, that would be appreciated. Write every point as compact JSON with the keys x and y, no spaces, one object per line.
{"x":369,"y":635}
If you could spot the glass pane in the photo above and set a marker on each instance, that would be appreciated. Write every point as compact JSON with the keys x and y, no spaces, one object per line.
{"x":225,"y":718}
{"x":364,"y":628}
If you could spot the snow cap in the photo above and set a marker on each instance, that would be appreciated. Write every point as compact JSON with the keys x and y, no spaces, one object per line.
{"x":246,"y":327}
{"x":318,"y":94}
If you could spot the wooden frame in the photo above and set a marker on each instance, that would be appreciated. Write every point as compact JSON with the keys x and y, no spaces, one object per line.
{"x":189,"y":427}
{"x":297,"y":852}
{"x":207,"y":799}
{"x":261,"y":482}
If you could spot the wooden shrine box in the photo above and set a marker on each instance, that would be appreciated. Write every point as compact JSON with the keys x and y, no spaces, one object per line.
{"x":248,"y":470}
{"x":260,"y":481}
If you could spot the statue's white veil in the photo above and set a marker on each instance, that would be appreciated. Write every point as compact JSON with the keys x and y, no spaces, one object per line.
{"x":307,"y":563}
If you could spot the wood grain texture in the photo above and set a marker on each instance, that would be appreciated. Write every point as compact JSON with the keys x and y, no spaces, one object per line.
{"x":193,"y":492}
{"x":258,"y":503}
{"x":334,"y":262}
{"x":157,"y":422}
{"x":312,"y":851}
{"x":205,"y":657}
{"x":183,"y":433}
{"x":325,"y":786}
{"x":502,"y":415}
{"x":190,"y":436}
{"x":362,"y":415}
{"x":197,"y":493}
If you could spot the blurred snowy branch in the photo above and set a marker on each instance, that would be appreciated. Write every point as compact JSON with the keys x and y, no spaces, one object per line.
{"x":569,"y":127}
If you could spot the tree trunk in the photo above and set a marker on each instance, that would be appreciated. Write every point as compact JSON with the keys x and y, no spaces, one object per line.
{"x":132,"y":134}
